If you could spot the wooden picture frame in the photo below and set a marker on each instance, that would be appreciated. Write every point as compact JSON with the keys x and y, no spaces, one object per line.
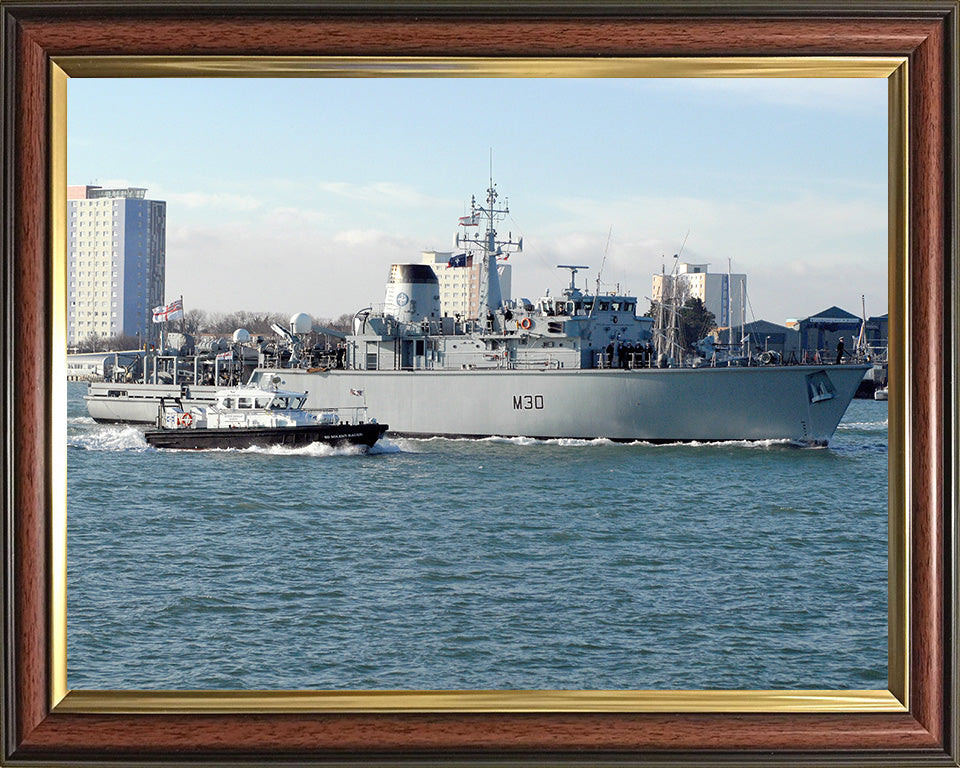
{"x":916,"y":723}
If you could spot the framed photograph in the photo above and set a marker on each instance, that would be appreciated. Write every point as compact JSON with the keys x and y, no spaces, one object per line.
{"x":912,"y":718}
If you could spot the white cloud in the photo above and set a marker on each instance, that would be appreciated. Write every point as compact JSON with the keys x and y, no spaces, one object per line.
{"x":221,"y":268}
{"x":800,"y":255}
{"x":212,"y":200}
{"x":293,"y":216}
{"x":372,"y":239}
{"x":381,"y":193}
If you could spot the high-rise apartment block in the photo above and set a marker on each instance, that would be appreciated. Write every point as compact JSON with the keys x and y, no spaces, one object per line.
{"x":460,"y":285}
{"x":116,"y":258}
{"x":722,"y":293}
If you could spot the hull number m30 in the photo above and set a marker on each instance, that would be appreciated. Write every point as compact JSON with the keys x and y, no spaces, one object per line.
{"x":528,"y":402}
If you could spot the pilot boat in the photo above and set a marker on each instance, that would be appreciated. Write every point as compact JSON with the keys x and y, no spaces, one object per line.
{"x":246,"y":417}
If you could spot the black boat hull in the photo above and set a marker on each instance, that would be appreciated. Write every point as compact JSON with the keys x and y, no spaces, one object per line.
{"x":262,"y":437}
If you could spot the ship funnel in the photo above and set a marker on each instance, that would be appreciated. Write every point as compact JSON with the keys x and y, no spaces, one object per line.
{"x":413,"y":293}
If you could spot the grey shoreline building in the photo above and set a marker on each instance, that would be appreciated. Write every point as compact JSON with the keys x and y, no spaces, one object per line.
{"x":116,"y":262}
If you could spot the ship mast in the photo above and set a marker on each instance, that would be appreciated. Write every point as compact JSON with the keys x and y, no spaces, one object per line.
{"x":490,"y":298}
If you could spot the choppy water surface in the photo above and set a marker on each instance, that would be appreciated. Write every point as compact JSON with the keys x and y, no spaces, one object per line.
{"x":490,"y":564}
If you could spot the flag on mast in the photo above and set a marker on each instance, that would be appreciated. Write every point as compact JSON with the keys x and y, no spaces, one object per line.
{"x":171,"y":311}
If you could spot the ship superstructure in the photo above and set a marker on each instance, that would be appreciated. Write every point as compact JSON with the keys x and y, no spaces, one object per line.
{"x":574,"y":330}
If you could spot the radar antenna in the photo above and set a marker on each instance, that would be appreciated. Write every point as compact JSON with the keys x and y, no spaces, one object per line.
{"x":573,"y":274}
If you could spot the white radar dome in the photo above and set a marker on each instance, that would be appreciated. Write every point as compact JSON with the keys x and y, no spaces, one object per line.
{"x":241,"y":336}
{"x":301,"y":323}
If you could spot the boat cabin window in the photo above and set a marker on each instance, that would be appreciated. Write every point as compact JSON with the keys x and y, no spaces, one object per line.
{"x":245,"y":402}
{"x":604,"y":306}
{"x":263,"y":402}
{"x":228,"y":402}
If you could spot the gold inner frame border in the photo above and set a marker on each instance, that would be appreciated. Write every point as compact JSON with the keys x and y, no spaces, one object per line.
{"x":894,"y":699}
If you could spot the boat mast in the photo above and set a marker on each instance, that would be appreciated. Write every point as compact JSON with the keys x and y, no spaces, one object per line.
{"x":862,"y":337}
{"x":744,"y":339}
{"x":673,"y":339}
{"x":729,"y":309}
{"x":666,"y":328}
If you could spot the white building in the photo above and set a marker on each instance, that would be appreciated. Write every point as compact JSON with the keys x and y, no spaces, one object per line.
{"x":116,"y":257}
{"x":460,"y":286}
{"x":722,"y":293}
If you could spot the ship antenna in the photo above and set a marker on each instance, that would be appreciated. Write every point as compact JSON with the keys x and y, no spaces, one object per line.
{"x":602,"y":262}
{"x":680,"y":252}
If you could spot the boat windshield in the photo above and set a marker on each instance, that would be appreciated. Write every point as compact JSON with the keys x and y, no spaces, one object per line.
{"x":284,"y":402}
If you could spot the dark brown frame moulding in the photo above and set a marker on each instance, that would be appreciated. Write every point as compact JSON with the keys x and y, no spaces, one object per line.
{"x":35,"y":34}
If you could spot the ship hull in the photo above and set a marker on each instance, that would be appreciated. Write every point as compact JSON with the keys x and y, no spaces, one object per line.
{"x":655,"y":405}
{"x":250,"y":437}
{"x":803,"y":404}
{"x":111,"y":403}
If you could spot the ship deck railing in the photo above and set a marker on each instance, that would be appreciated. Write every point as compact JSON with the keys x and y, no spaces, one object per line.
{"x":357,"y":414}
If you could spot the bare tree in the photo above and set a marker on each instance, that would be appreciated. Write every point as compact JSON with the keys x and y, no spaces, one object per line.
{"x":193,"y":321}
{"x":344,"y":323}
{"x":94,"y":342}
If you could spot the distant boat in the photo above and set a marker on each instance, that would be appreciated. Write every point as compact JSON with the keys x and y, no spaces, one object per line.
{"x":880,"y":393}
{"x":249,"y":417}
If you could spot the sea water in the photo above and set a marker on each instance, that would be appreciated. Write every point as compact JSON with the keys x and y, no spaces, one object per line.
{"x":478,"y":564}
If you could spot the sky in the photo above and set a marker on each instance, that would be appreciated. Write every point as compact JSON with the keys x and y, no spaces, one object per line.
{"x":296,"y":195}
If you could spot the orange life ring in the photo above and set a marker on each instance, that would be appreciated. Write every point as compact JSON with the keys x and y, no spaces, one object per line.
{"x":526,"y":324}
{"x":187,"y":419}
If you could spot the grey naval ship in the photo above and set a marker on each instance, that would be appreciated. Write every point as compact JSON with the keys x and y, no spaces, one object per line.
{"x":576,"y":365}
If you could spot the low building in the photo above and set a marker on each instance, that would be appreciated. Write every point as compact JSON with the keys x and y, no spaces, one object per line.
{"x":760,"y":335}
{"x":821,"y":332}
{"x":93,"y":366}
{"x":878,"y":334}
{"x":764,"y":336}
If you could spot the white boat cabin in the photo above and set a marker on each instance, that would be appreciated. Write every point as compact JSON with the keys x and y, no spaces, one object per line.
{"x":260,"y":399}
{"x":245,"y":407}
